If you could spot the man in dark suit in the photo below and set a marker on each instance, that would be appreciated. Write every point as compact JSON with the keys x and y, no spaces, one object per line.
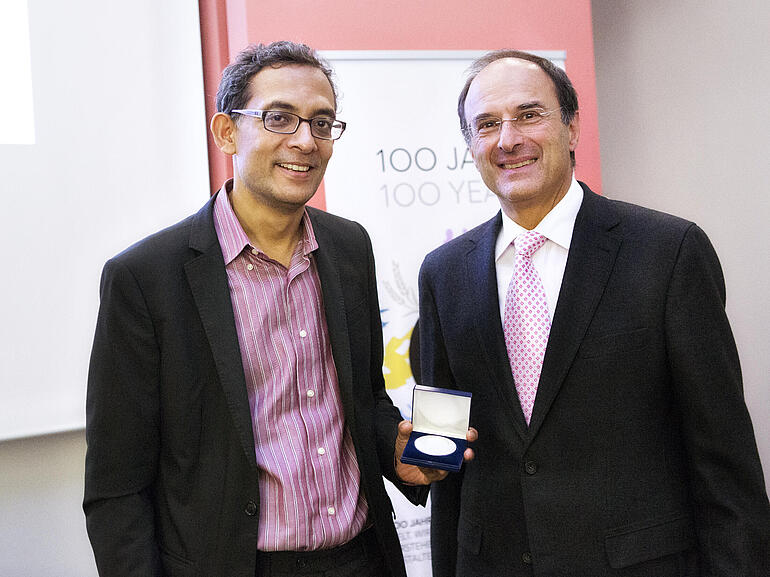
{"x":237,"y":419}
{"x":613,"y":435}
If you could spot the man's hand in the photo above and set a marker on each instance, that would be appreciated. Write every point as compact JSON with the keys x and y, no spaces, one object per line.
{"x":414,"y":475}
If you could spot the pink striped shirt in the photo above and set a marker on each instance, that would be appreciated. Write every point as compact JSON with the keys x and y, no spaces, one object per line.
{"x":309,"y":482}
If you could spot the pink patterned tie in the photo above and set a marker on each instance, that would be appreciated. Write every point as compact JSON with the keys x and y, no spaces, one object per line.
{"x":527,"y":322}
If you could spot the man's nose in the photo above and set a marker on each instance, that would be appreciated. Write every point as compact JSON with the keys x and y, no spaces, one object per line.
{"x":509,"y":136}
{"x":303,"y":137}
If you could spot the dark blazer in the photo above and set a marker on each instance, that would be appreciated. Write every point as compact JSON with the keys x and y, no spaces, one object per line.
{"x":171,"y":476}
{"x":640,"y":457}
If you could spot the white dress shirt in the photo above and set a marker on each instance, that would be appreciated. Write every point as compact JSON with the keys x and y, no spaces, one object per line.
{"x":551,"y":258}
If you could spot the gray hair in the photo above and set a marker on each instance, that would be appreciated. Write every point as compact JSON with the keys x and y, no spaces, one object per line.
{"x":234,"y":88}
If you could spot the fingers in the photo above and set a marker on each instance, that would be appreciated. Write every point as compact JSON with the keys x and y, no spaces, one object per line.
{"x":471,"y":437}
{"x":433,"y":475}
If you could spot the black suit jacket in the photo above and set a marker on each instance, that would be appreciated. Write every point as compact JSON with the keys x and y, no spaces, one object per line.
{"x":171,"y":475}
{"x":640,"y":457}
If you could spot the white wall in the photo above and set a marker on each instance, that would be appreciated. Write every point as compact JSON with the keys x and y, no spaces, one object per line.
{"x":119,"y":151}
{"x":684,"y":117}
{"x":42,"y":528}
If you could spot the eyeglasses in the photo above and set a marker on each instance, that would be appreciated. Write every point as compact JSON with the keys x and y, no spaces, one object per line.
{"x":528,"y":120}
{"x":282,"y":122}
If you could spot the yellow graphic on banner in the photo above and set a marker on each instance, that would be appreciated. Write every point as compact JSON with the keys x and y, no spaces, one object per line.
{"x":397,"y":368}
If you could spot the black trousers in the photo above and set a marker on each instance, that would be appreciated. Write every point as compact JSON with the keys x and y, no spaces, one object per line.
{"x":360,"y":557}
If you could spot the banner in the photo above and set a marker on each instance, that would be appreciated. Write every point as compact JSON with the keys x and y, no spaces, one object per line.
{"x":402,"y":169}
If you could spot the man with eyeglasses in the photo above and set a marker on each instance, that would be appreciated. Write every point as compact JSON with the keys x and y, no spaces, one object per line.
{"x":237,"y":418}
{"x":613,"y":435}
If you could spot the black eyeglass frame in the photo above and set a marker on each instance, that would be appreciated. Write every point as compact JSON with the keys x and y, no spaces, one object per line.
{"x":335,"y":124}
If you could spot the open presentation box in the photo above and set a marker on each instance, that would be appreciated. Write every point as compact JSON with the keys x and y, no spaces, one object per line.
{"x":440,"y":420}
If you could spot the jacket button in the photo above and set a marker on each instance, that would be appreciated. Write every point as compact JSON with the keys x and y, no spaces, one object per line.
{"x":251,"y":508}
{"x":530,"y":467}
{"x":526,"y":558}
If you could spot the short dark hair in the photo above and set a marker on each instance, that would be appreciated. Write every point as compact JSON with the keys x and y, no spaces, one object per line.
{"x":234,"y":88}
{"x":565,"y":92}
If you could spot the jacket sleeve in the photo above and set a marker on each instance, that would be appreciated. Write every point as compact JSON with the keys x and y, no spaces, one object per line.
{"x":731,"y":506}
{"x":434,"y":361}
{"x":445,"y":494}
{"x":122,"y":415}
{"x":387,"y":414}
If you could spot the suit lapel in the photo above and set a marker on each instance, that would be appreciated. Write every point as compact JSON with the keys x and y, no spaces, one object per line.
{"x":481,"y":279}
{"x":336,"y":316}
{"x":208,"y":282}
{"x":592,"y":253}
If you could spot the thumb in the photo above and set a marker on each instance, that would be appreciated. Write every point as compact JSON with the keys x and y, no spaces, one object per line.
{"x":404,"y":430}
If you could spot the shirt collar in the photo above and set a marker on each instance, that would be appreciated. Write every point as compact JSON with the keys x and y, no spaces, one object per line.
{"x":233,"y":239}
{"x":556,"y":226}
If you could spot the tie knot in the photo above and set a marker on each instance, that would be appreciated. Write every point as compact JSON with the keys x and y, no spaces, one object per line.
{"x":527,"y":243}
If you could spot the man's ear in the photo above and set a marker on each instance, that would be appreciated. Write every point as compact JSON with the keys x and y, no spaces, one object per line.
{"x":574,"y":131}
{"x":223,"y":130}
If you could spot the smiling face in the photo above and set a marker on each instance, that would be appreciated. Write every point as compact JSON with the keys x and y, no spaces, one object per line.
{"x":282,"y":171}
{"x":528,"y":171}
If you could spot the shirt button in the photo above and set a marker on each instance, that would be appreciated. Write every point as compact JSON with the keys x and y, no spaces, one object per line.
{"x":530,"y":467}
{"x":251,"y":508}
{"x":331,"y":511}
{"x":310,"y":393}
{"x":254,"y":251}
{"x":249,"y":266}
{"x":321,"y":451}
{"x":303,"y":333}
{"x":526,"y":558}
